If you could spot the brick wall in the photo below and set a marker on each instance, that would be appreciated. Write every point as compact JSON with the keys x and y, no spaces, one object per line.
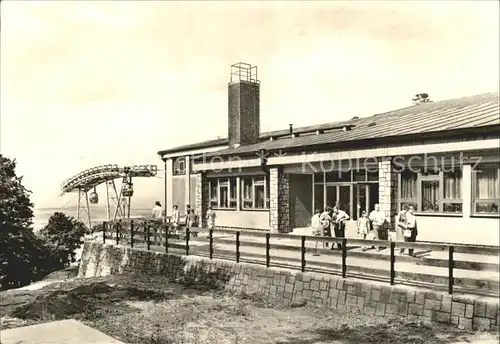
{"x":279,"y":212}
{"x":346,"y":295}
{"x":388,"y":189}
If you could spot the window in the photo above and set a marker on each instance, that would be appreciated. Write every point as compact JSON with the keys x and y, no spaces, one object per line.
{"x":431,"y":191}
{"x":180,"y":166}
{"x":222,"y":193}
{"x":255,"y":193}
{"x":408,"y":189}
{"x":486,"y":189}
{"x":452,"y":192}
{"x":430,"y":195}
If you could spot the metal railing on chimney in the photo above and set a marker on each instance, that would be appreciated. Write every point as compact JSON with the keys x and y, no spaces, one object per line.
{"x":244,"y":72}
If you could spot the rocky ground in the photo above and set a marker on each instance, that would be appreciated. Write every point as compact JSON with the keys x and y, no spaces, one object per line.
{"x":141,"y":310}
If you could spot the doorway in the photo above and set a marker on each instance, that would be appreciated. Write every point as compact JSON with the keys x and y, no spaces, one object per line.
{"x":365,"y":197}
{"x":340,"y":196}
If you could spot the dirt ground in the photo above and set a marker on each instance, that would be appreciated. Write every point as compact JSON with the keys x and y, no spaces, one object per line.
{"x":141,"y":310}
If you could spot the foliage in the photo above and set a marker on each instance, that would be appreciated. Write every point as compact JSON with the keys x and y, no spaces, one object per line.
{"x":421,"y":98}
{"x":63,"y":234}
{"x":23,"y":256}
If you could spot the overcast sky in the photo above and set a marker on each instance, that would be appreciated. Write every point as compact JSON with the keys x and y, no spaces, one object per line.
{"x":89,"y":83}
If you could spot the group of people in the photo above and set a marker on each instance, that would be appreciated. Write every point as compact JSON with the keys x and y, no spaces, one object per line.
{"x":369,"y":226}
{"x":191,"y":221}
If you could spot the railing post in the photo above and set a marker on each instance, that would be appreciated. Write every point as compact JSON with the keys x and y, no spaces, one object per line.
{"x":211,"y":241}
{"x":303,"y":254}
{"x":451,"y":264}
{"x":344,"y":257}
{"x":132,"y":233}
{"x":166,"y":238}
{"x":187,"y":241}
{"x":117,"y":233}
{"x":104,"y":225}
{"x":237,"y":247}
{"x":148,"y":235}
{"x":268,"y":248}
{"x":393,"y":259}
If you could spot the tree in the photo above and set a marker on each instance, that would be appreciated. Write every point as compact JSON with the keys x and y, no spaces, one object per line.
{"x":421,"y":98}
{"x":64,"y":235}
{"x":23,"y":256}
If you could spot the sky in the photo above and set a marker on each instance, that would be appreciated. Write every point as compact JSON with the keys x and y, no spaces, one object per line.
{"x":91,"y":83}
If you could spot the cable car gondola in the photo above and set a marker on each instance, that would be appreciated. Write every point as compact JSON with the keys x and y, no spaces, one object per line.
{"x":94,"y":197}
{"x":127,"y":189}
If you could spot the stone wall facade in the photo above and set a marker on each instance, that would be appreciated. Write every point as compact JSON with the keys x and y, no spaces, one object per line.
{"x":345,"y":295}
{"x":388,"y":191}
{"x":202,"y":194}
{"x":279,"y":212}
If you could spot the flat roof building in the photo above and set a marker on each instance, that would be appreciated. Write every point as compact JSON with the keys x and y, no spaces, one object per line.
{"x":440,"y":157}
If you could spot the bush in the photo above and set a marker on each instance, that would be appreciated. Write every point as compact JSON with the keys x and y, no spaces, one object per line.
{"x":63,"y":235}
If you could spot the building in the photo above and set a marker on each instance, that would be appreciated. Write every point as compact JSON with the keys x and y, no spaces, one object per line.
{"x":441,"y":157}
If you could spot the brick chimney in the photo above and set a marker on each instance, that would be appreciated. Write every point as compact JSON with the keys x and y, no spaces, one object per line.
{"x":244,"y":105}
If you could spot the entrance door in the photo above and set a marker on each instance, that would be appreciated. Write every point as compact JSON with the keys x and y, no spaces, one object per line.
{"x":331,"y":195}
{"x":340,"y":196}
{"x":365,"y":197}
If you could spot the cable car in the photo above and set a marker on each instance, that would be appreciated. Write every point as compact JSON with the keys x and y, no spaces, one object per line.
{"x":127,"y":189}
{"x":94,"y":197}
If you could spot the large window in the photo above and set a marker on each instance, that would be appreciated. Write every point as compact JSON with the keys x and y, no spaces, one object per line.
{"x":254,"y":192}
{"x":222,"y":193}
{"x":179,"y":165}
{"x":432,"y":191}
{"x":486,"y":189}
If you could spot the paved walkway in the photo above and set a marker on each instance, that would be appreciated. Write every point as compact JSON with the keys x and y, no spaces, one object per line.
{"x":57,"y":332}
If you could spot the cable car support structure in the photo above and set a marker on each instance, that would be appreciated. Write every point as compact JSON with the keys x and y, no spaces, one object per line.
{"x":86,"y":182}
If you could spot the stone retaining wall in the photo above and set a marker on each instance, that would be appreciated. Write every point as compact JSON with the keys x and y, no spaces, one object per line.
{"x":347,"y":295}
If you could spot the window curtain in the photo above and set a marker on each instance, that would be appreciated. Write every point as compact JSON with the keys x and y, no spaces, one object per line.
{"x":487,"y":184}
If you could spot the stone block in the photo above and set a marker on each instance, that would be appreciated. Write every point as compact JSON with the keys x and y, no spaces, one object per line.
{"x":469,"y":311}
{"x":375,"y":295}
{"x":289,"y":288}
{"x":480,"y":309}
{"x":403,"y":309}
{"x":392,"y":309}
{"x":458,"y":309}
{"x":434,"y":305}
{"x":342,"y":297}
{"x":361,"y":303}
{"x":465,"y":323}
{"x":299,"y":285}
{"x":351,"y":300}
{"x":416,"y":309}
{"x":481,"y":324}
{"x":315,"y":294}
{"x":454,"y":319}
{"x":380,"y":308}
{"x":340,"y":284}
{"x":442,"y":317}
{"x":351,"y":290}
{"x":334,"y":293}
{"x":306,"y":294}
{"x":323,"y":285}
{"x":446,"y":304}
{"x":314,"y":285}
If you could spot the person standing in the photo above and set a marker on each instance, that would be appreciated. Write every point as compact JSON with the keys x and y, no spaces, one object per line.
{"x":339,"y":225}
{"x":326,"y":221}
{"x":211,"y":218}
{"x":175,"y":219}
{"x":401,"y":225}
{"x":410,"y":232}
{"x":363,"y":227}
{"x":157,"y":215}
{"x":316,"y":228}
{"x":377,"y":219}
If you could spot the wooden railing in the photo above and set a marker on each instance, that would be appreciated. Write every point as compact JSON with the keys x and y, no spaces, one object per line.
{"x":227,"y":244}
